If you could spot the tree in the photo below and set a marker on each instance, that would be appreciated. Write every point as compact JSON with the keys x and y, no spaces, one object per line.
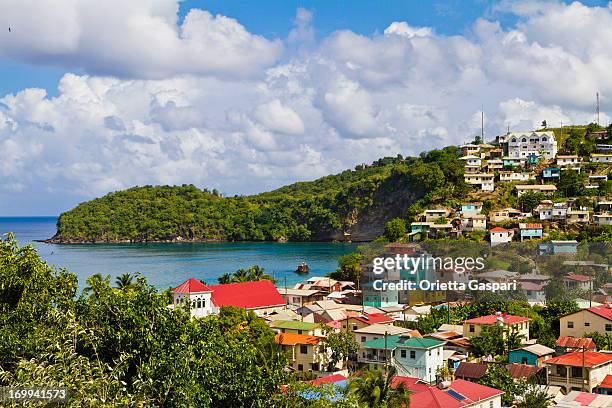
{"x":602,"y":340}
{"x":252,"y":274}
{"x":373,"y":388}
{"x":530,"y":200}
{"x":535,"y":397}
{"x":395,"y":229}
{"x":124,"y":281}
{"x":571,"y":183}
{"x":498,"y":377}
{"x":342,"y":345}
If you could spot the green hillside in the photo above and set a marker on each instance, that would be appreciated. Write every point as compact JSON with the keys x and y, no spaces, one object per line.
{"x":354,"y":204}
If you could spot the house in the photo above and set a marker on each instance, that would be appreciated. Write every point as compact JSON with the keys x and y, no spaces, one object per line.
{"x":584,"y":399}
{"x":296,"y":327}
{"x":355,"y":321}
{"x":603,"y":219}
{"x":498,"y":276}
{"x":484,"y":181}
{"x":507,"y":176}
{"x":605,"y":388}
{"x":324,"y":284}
{"x":551,"y":173}
{"x":573,"y":371}
{"x":435,"y":214}
{"x":559,"y":211}
{"x":570,"y":161}
{"x":304,"y":352}
{"x":558,"y":247}
{"x":471,"y":208}
{"x":469,"y":149}
{"x":377,"y":331}
{"x":524,"y":144}
{"x":422,"y":227}
{"x":262,"y":297}
{"x":472,"y":372}
{"x":419,"y":357}
{"x":593,"y":319}
{"x":604,"y":207}
{"x":494,"y":165}
{"x":601,"y":157}
{"x":457,"y":394}
{"x":473,"y":327}
{"x":499,"y":235}
{"x":577,"y":216}
{"x":544,"y":210}
{"x":300,"y":297}
{"x":526,"y":372}
{"x":530,"y":231}
{"x":568,"y":344}
{"x":533,"y":354}
{"x":499,"y":216}
{"x":471,"y":161}
{"x":546,"y":189}
{"x":510,"y":162}
{"x":535,"y":292}
{"x":475,"y":222}
{"x":578,"y":282}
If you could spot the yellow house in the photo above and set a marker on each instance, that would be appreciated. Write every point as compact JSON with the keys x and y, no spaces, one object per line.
{"x":594,"y":319}
{"x":305,"y":352}
{"x":473,"y":327}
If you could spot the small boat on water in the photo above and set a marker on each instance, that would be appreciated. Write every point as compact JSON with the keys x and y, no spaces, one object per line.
{"x":302,"y":269}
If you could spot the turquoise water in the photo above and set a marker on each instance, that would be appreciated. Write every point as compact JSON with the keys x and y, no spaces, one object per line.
{"x":167,"y":265}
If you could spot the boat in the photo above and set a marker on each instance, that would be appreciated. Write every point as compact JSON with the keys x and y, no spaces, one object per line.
{"x":302,"y":268}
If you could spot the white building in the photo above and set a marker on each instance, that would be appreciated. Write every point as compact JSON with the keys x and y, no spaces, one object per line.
{"x":515,"y":176}
{"x":601,"y":158}
{"x":524,"y":144}
{"x":547,"y":189}
{"x":571,"y":161}
{"x":484,"y":181}
{"x":500,"y":236}
{"x":195,"y":295}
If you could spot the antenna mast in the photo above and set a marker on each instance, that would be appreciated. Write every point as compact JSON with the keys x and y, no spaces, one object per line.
{"x":482,"y":123}
{"x":597,"y":107}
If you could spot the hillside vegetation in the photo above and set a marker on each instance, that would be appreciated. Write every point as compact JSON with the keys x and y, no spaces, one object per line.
{"x":354,"y":204}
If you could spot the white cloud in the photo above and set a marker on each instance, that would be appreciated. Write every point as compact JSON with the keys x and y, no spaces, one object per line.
{"x":209,"y":103}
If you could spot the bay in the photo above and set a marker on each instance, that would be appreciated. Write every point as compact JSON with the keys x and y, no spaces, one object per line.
{"x":169,"y":264}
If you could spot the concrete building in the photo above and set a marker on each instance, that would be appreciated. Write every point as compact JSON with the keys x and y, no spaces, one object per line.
{"x":484,"y":181}
{"x":593,"y":319}
{"x":577,"y":371}
{"x":601,"y":157}
{"x":473,"y":327}
{"x":546,"y":189}
{"x":523,"y":144}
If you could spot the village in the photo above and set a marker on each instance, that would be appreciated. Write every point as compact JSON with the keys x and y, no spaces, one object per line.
{"x":525,"y":168}
{"x":435,"y":351}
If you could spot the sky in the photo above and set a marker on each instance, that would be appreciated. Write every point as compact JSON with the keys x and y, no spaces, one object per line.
{"x":245,"y":97}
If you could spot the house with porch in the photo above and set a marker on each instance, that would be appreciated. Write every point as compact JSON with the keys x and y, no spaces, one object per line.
{"x":471,"y":208}
{"x":530,"y":231}
{"x":578,"y":370}
{"x":483,"y":181}
{"x":601,"y":157}
{"x":569,"y":161}
{"x":551,"y":173}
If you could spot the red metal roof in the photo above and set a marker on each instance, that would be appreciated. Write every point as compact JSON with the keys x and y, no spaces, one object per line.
{"x":291,"y":339}
{"x":492,"y":319}
{"x":576,"y":342}
{"x":248,"y":295}
{"x":604,"y":311}
{"x":191,"y":285}
{"x":441,"y":398}
{"x":531,"y":286}
{"x":532,"y":226}
{"x":522,"y":371}
{"x":578,"y":278}
{"x":371,"y":318}
{"x":607,"y":382}
{"x":415,"y":385}
{"x":591,"y":359}
{"x":499,"y":229}
{"x":471,"y":370}
{"x":334,"y":378}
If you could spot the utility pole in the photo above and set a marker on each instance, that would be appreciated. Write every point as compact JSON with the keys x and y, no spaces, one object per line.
{"x":482,"y":123}
{"x":386,"y":352}
{"x":583,"y":370}
{"x":597,"y":107}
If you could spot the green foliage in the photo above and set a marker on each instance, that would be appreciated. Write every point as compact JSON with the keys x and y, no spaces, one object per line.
{"x":602,"y":340}
{"x":373,"y":388}
{"x":497,"y":376}
{"x":571,"y":183}
{"x":124,"y":281}
{"x":535,"y":397}
{"x":298,"y":212}
{"x":125,"y":347}
{"x":395,"y":229}
{"x":342,"y":345}
{"x":252,"y":274}
{"x":349,"y":267}
{"x":530,"y":200}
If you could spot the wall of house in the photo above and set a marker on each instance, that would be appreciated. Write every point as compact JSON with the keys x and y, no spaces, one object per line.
{"x":522,"y":357}
{"x":584,"y":322}
{"x":423,"y":366}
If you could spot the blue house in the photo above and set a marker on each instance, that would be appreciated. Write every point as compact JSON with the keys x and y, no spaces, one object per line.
{"x":533,"y":159}
{"x":530,"y":231}
{"x":471,"y":208}
{"x":558,"y":247}
{"x":534,"y":355}
{"x":551,"y":173}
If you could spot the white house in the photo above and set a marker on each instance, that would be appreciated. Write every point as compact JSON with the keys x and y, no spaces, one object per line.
{"x":195,"y":295}
{"x":474,"y":222}
{"x":603,"y":219}
{"x":484,"y":181}
{"x":571,"y":161}
{"x":601,"y":157}
{"x":494,"y":164}
{"x":500,"y":235}
{"x":525,"y":144}
{"x":471,"y":160}
{"x":515,"y":176}
{"x":538,"y":188}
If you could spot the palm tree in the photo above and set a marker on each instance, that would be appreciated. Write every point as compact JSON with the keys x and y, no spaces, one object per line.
{"x":374,"y":389}
{"x":257,"y":273}
{"x":225,"y":278}
{"x":124,"y":281}
{"x":241,"y":275}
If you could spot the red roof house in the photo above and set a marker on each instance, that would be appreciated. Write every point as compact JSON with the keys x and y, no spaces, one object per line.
{"x":570,"y":343}
{"x":577,"y":359}
{"x":493,"y":319}
{"x":458,"y":394}
{"x":191,"y":285}
{"x":249,"y":295}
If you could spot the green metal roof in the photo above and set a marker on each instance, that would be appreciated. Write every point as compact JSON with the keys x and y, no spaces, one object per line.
{"x":415,"y":342}
{"x":294,"y":325}
{"x":380,"y":343}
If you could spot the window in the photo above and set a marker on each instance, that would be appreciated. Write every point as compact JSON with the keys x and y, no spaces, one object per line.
{"x":355,"y":327}
{"x":577,"y":372}
{"x":608,"y":327}
{"x":570,"y":325}
{"x":299,"y":332}
{"x":429,"y":353}
{"x":491,"y":404}
{"x":300,"y":367}
{"x":303,"y":349}
{"x":412,"y":354}
{"x":363,"y":339}
{"x":587,"y":324}
{"x":472,"y":328}
{"x":524,"y":360}
{"x":403,"y":353}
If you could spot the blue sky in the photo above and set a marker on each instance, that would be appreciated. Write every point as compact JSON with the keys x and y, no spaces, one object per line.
{"x":254,"y":95}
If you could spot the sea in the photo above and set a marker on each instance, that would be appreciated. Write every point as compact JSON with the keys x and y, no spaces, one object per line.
{"x":168,"y":264}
